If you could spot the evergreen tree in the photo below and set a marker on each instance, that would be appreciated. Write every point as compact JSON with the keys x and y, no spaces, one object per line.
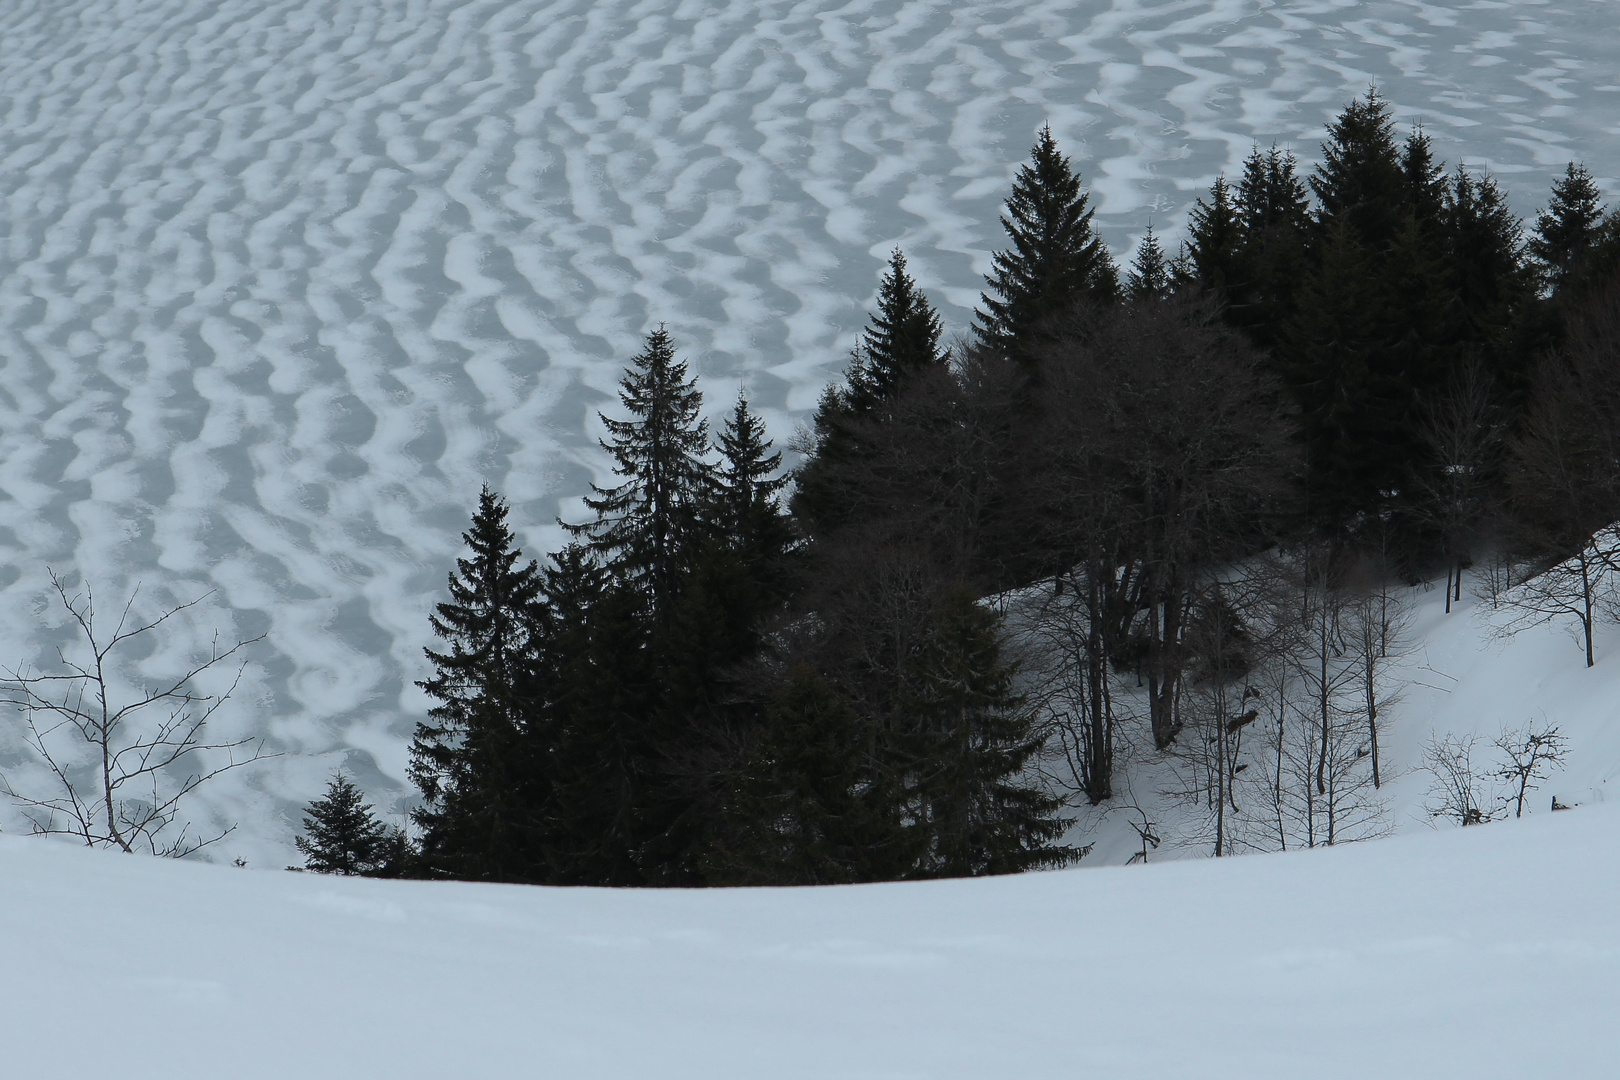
{"x":900,"y":345}
{"x":974,"y":737}
{"x":1216,"y":237}
{"x":1566,"y":230}
{"x":643,"y":525}
{"x":468,"y":757}
{"x":808,"y":805}
{"x":1274,"y":212}
{"x":1056,"y":259}
{"x":901,"y":340}
{"x":1362,"y":179}
{"x":1426,"y":189}
{"x":1151,"y":276}
{"x":744,"y":506}
{"x":342,"y":835}
{"x":1491,"y":281}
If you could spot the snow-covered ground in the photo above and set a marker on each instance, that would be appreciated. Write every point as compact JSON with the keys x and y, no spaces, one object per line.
{"x":1482,"y":954}
{"x":282,"y":281}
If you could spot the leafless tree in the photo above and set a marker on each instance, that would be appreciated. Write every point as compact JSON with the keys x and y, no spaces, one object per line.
{"x":1460,"y":788}
{"x":1461,"y":438}
{"x":1532,"y":753}
{"x":122,"y":760}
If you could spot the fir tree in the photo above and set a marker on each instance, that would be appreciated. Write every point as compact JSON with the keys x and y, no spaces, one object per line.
{"x":467,"y":757}
{"x":1426,"y":189}
{"x":1274,"y":211}
{"x":1151,"y":276}
{"x":1567,"y":229}
{"x":643,"y":525}
{"x":342,"y":835}
{"x":973,"y":737}
{"x":1362,"y":179}
{"x":1216,"y":238}
{"x":901,"y":340}
{"x":1056,"y":259}
{"x":747,"y":485}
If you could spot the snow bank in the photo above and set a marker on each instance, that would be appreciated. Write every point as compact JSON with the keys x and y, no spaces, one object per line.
{"x":1479,"y":953}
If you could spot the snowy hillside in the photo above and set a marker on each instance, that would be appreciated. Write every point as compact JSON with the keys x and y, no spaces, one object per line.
{"x":1483,"y":954}
{"x":282,"y":282}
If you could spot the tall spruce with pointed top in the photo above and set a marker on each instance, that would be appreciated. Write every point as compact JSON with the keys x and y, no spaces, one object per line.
{"x":900,"y":343}
{"x":1151,"y":276}
{"x":1056,"y":259}
{"x":1274,"y":212}
{"x":901,"y":339}
{"x":643,"y":525}
{"x":1215,"y":230}
{"x":1362,"y":179}
{"x":1567,"y":229}
{"x":469,"y":757}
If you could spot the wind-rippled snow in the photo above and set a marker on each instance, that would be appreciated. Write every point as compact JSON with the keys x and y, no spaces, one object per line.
{"x":282,"y":283}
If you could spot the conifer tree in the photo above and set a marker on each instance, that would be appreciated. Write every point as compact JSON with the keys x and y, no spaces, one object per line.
{"x":1056,"y":259}
{"x":1274,"y":212}
{"x":467,"y":758}
{"x":747,"y":485}
{"x":343,"y":836}
{"x":1492,"y":283}
{"x":1216,"y":236}
{"x":1362,"y":179}
{"x":1566,"y":230}
{"x":643,"y":524}
{"x":1426,"y":187}
{"x":1151,"y":276}
{"x":901,"y":340}
{"x":973,"y":738}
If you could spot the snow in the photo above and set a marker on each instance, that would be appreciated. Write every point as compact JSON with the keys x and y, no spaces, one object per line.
{"x":1480,"y":953}
{"x":283,"y":281}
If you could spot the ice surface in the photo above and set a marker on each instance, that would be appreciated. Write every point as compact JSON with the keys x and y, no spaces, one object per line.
{"x":1479,"y":954}
{"x":282,"y":282}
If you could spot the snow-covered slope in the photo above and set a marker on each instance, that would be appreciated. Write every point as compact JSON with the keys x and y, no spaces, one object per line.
{"x":282,"y":281}
{"x":1485,"y":954}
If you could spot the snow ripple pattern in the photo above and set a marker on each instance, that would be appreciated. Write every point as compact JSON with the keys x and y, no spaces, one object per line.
{"x":283,"y":281}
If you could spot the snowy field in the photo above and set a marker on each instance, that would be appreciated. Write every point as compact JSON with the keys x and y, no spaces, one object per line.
{"x":282,"y":281}
{"x":1482,"y":954}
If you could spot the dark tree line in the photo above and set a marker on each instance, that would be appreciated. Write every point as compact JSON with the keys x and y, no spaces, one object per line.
{"x":1197,"y":474}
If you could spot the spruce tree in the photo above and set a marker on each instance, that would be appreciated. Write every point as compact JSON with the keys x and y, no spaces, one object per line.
{"x":1151,"y":276}
{"x":343,"y":836}
{"x":1362,"y":179}
{"x":1215,"y":241}
{"x":467,"y":758}
{"x":1056,"y":259}
{"x":901,"y":340}
{"x":1274,"y":212}
{"x":643,"y":524}
{"x":744,"y":507}
{"x":973,"y":738}
{"x":1566,"y":230}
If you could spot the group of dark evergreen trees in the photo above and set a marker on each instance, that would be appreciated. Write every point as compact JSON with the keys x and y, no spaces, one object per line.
{"x":713,"y":685}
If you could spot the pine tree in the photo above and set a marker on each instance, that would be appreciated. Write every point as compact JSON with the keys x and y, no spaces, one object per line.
{"x":643,"y":525}
{"x":1274,"y":212}
{"x":1426,"y":189}
{"x":1056,"y":259}
{"x":1151,"y":276}
{"x":744,"y":506}
{"x":901,"y":340}
{"x":342,"y":835}
{"x":807,"y":805}
{"x":1493,"y":284}
{"x":1567,"y":229}
{"x":1215,"y":240}
{"x":973,"y":738}
{"x":467,"y":758}
{"x":1362,"y":179}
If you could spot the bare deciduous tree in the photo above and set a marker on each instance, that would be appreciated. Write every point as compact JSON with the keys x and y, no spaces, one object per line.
{"x":122,"y":759}
{"x":1460,"y":789}
{"x":1532,"y":754}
